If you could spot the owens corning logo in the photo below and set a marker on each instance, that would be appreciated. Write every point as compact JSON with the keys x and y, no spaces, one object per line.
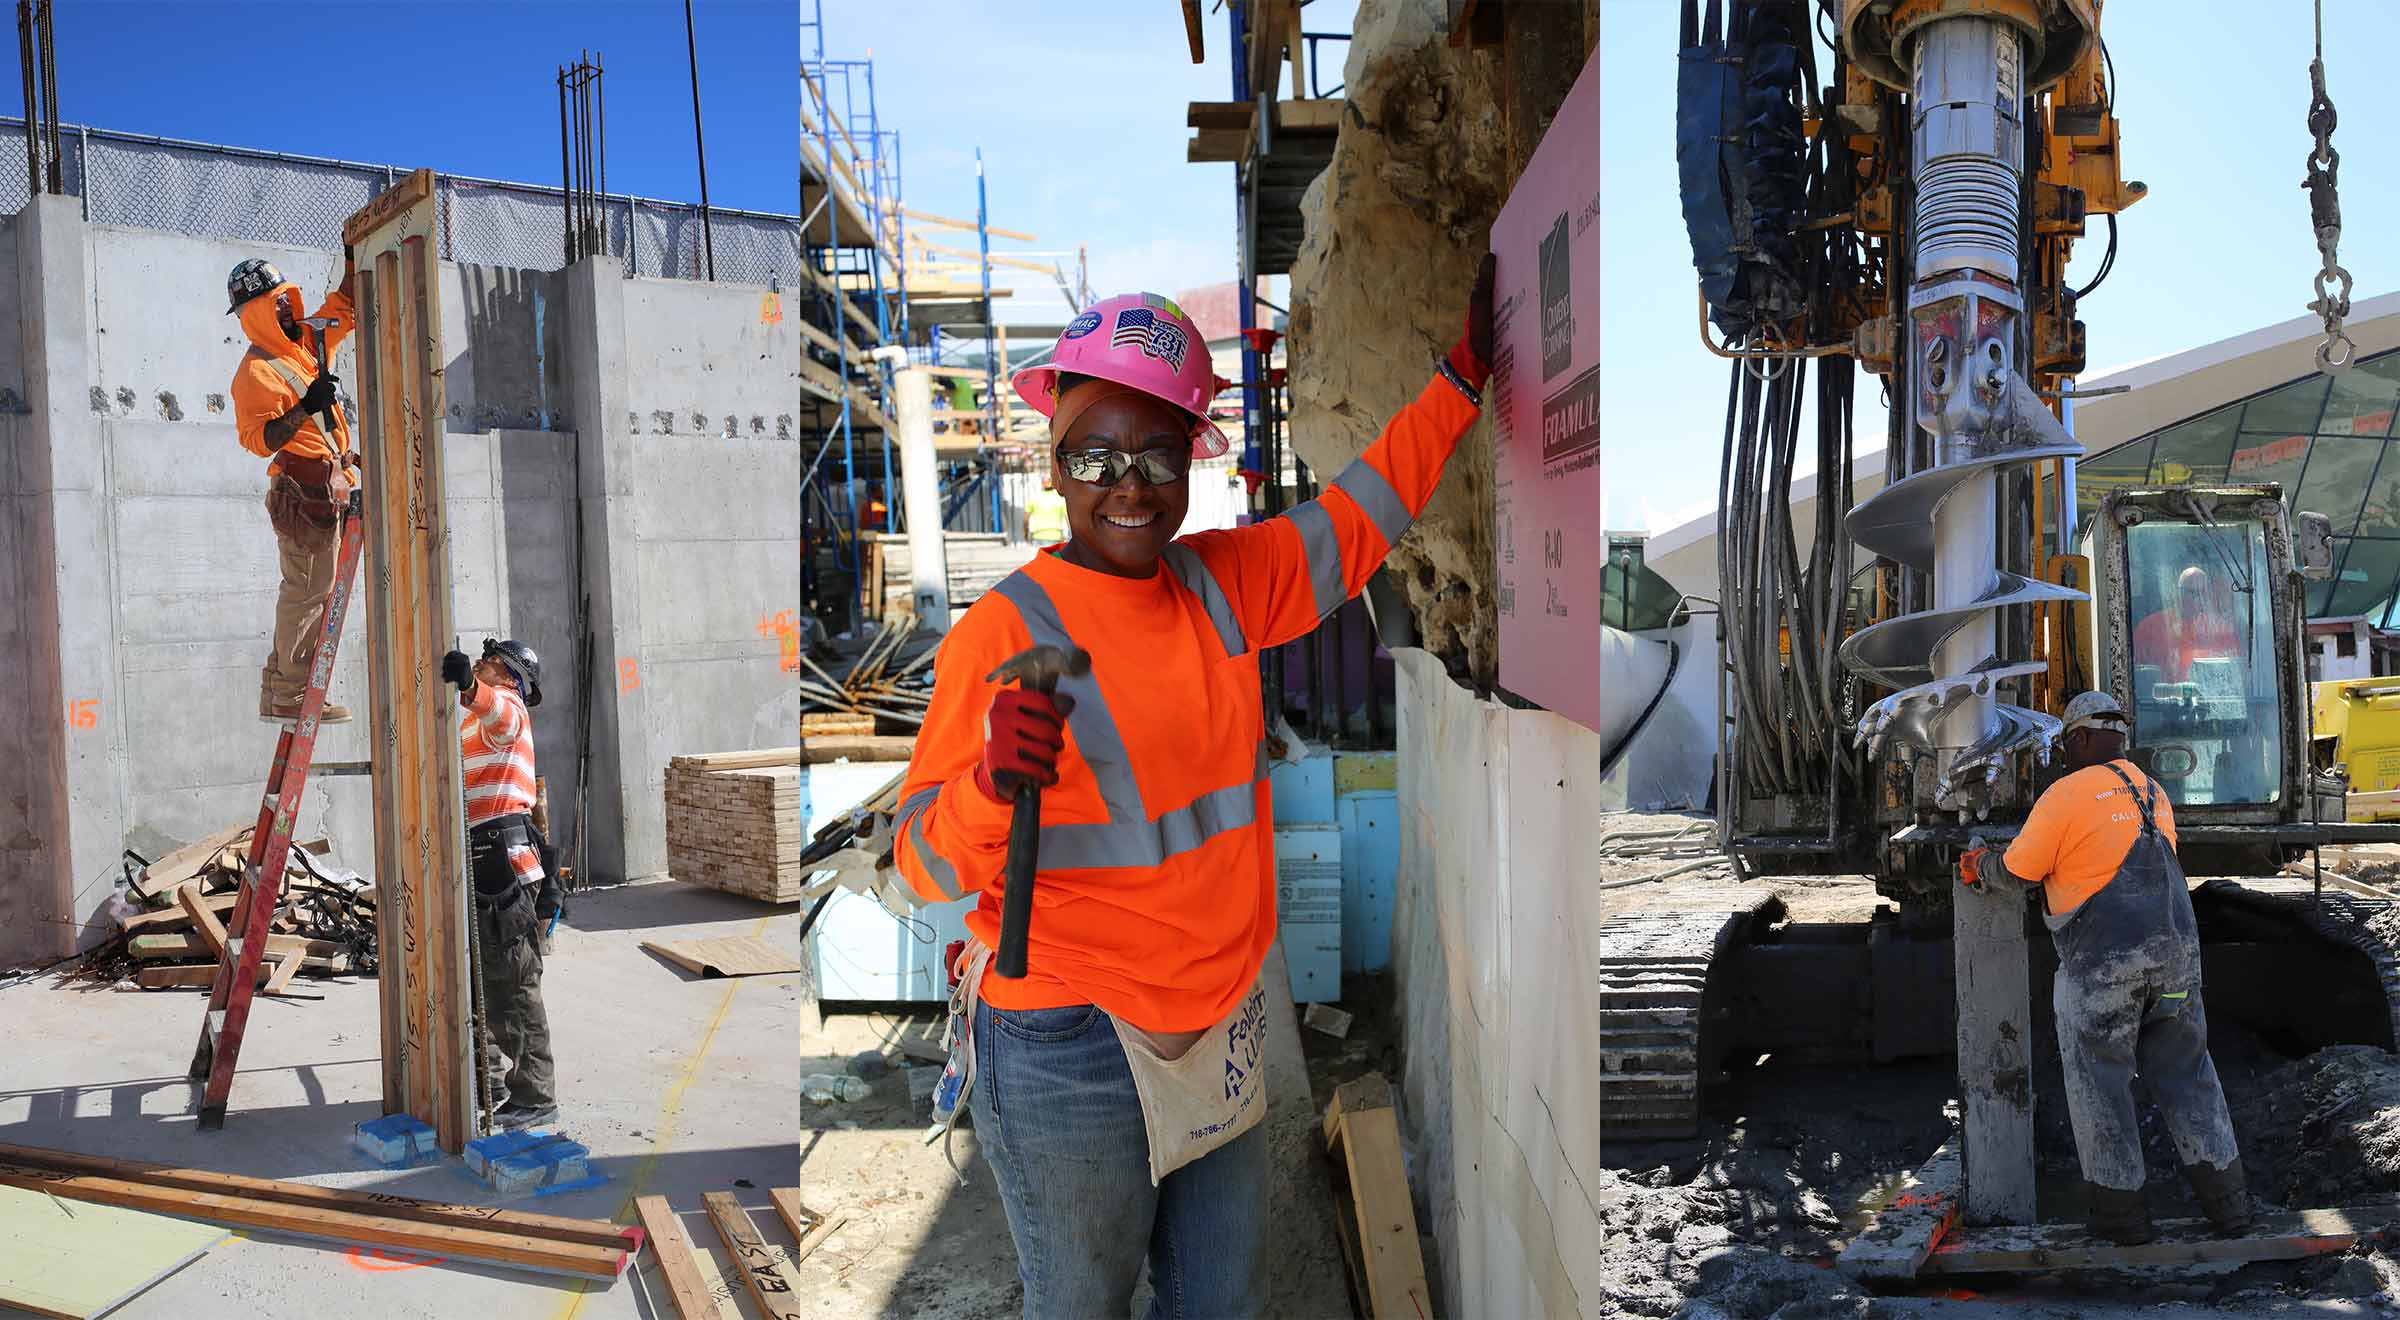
{"x":1558,"y":302}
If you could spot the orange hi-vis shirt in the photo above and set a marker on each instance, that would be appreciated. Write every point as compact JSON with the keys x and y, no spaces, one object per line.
{"x":276,"y":371}
{"x":2079,"y":833}
{"x":1155,"y":897}
{"x":495,"y":752}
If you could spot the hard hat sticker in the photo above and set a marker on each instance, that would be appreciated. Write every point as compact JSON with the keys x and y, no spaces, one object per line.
{"x":1142,"y":328}
{"x":1082,"y":325}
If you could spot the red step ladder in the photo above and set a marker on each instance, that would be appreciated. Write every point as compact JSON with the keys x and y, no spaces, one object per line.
{"x":236,"y":983}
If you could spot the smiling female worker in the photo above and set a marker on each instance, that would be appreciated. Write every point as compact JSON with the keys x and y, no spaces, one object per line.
{"x":1117,"y":1087}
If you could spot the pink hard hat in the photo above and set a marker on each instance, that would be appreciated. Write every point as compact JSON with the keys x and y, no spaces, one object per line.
{"x":1144,"y":342}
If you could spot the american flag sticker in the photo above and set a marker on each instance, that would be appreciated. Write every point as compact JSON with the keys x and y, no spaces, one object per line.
{"x":1133,"y":327}
{"x":1142,"y":328}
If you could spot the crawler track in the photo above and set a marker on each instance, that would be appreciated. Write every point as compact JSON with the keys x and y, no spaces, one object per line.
{"x":1655,"y":1007}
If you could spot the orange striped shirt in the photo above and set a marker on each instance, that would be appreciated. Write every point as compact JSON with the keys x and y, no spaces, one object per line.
{"x":1155,"y":896}
{"x":495,"y":747}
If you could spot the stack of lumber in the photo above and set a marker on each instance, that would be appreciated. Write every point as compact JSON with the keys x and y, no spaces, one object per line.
{"x":768,"y":1269}
{"x":590,"y":1249}
{"x":976,"y":562}
{"x":733,"y":822}
{"x":321,"y":925}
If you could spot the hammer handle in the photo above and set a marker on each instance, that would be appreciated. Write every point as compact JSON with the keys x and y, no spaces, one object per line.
{"x":1016,"y":900}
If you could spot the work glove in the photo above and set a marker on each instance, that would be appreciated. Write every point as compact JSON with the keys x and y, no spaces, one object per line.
{"x":1471,"y":356}
{"x":321,"y":393}
{"x":456,"y":668}
{"x":1023,"y":733}
{"x":1972,"y":861}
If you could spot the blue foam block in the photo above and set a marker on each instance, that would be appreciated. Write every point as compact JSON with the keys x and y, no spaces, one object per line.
{"x":396,"y":1141}
{"x":530,"y":1163}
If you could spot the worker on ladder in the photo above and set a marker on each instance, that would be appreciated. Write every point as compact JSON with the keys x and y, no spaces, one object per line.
{"x":2101,"y":845}
{"x":280,"y":391}
{"x":1118,"y":1084}
{"x":513,"y":871}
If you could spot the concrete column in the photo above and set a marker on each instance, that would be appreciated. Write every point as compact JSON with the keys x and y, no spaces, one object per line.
{"x":70,"y":772}
{"x":928,"y":551}
{"x":624,"y":821}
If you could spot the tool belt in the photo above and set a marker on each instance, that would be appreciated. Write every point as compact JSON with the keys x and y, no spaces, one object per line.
{"x":302,"y":499}
{"x":495,"y":876}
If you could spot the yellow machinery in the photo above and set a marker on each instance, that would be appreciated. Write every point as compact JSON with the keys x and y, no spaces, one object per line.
{"x":2358,"y":728}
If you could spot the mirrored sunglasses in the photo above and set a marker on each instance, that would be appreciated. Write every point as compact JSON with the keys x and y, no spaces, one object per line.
{"x":1107,"y":467}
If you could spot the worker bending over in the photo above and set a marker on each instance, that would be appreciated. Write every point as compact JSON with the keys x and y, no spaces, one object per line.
{"x":515,"y":892}
{"x":2101,"y":844}
{"x":1118,"y":1086}
{"x":280,"y":391}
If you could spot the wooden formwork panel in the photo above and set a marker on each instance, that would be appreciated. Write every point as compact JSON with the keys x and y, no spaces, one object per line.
{"x":420,"y":842}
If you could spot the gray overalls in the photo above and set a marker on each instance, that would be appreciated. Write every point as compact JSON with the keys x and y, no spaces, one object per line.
{"x":2128,"y":1000}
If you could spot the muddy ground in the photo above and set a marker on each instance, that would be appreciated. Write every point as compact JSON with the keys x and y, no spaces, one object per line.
{"x":1744,"y":1223}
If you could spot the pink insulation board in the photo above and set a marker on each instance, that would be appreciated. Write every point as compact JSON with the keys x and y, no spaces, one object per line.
{"x":1544,"y":401}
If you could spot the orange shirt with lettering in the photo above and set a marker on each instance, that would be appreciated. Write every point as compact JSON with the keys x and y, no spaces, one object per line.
{"x":2080,"y":831}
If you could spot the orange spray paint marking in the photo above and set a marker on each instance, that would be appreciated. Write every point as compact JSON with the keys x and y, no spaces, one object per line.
{"x":786,"y":633}
{"x":84,"y":714}
{"x":375,"y":1260}
{"x":629,"y":675}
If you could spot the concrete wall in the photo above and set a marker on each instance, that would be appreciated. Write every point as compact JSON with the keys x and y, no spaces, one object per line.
{"x":1493,"y":944}
{"x":692,"y":534}
{"x":138,"y":571}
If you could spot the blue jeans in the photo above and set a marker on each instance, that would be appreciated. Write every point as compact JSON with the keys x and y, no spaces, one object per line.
{"x":1059,"y":1120}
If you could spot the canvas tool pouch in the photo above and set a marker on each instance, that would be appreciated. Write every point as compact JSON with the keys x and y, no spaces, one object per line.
{"x":305,"y":501}
{"x":1203,"y":1097}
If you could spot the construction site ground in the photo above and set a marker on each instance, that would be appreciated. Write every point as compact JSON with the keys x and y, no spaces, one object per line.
{"x":923,"y":1243}
{"x":678,"y":1085}
{"x":1792,"y":1161}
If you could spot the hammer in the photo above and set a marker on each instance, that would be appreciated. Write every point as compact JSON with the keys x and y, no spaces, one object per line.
{"x":1039,"y":670}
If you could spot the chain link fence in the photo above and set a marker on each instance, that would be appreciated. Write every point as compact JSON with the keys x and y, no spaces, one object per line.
{"x":261,"y":197}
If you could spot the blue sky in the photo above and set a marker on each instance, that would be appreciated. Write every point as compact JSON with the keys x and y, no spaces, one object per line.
{"x":468,"y":88}
{"x":2212,"y":99}
{"x":1079,"y":108}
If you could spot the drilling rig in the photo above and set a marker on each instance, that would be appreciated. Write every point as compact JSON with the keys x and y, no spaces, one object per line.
{"x":1898,"y":186}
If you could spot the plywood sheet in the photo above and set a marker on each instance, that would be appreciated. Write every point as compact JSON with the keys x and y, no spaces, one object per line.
{"x":742,"y":956}
{"x":78,"y":1260}
{"x":1544,"y":404}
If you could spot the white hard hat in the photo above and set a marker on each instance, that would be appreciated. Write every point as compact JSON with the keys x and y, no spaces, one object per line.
{"x":2094,"y":709}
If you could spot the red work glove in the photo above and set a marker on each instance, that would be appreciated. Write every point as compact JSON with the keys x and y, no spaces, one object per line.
{"x":1023,"y":733}
{"x":1471,"y":356}
{"x":1970,"y":868}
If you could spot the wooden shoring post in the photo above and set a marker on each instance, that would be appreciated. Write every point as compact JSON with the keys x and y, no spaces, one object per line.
{"x":422,"y":915}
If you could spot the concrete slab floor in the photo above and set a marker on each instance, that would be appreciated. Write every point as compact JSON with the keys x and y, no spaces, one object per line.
{"x":678,"y":1085}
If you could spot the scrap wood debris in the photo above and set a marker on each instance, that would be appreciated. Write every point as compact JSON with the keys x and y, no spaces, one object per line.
{"x":872,"y":687}
{"x":175,"y":912}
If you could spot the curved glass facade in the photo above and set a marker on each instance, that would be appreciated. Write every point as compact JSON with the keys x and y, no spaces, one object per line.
{"x":2328,"y":443}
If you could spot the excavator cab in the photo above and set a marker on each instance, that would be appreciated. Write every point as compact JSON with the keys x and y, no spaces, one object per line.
{"x":2200,"y":628}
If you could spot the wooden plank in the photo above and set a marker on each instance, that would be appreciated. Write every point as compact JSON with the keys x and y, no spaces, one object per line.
{"x":204,"y":921}
{"x":389,"y":206}
{"x":192,"y":945}
{"x":1216,"y":145}
{"x":420,"y":846}
{"x":822,"y":751}
{"x":1995,"y":1032}
{"x":742,"y":955}
{"x":758,"y":1265}
{"x":828,"y":724}
{"x":201,"y":976}
{"x":495,"y":1248}
{"x":815,"y":1237}
{"x":1270,"y":28}
{"x":2044,"y":1248}
{"x":1191,"y":31}
{"x":285,"y":968}
{"x":758,"y":759}
{"x":175,"y":918}
{"x":675,"y":1259}
{"x":953,"y":222}
{"x":796,"y":1217}
{"x":77,"y":1261}
{"x":588,"y":1232}
{"x":190,"y":860}
{"x":1362,"y":1134}
{"x":1894,"y":1247}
